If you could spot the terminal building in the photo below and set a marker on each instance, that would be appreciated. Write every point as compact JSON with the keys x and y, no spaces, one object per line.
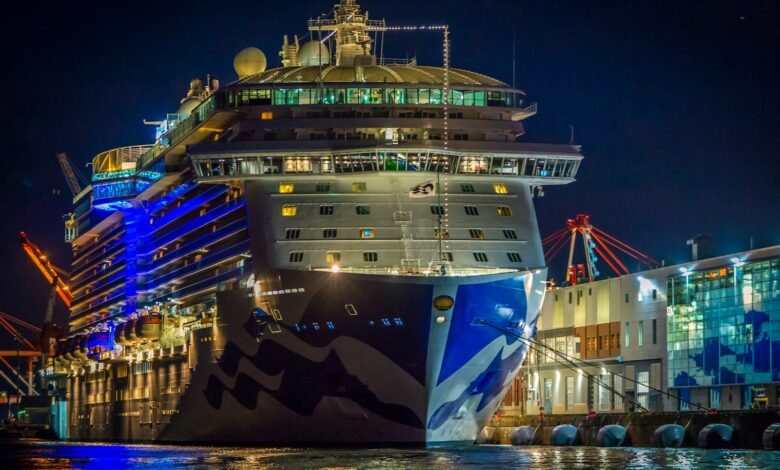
{"x":700,"y":334}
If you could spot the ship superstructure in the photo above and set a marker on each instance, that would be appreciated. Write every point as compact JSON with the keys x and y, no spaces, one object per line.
{"x":311,"y":254}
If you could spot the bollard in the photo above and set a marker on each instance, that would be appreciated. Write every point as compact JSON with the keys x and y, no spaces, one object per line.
{"x":771,"y":437}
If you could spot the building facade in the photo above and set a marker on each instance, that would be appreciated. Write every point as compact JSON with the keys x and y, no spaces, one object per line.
{"x":700,"y":334}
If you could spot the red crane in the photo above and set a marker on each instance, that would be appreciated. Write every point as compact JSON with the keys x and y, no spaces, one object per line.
{"x":597,"y":243}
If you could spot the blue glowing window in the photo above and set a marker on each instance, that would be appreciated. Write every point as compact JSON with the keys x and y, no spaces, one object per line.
{"x":386,"y":322}
{"x":315,"y":325}
{"x":398,"y":321}
{"x":297,"y":328}
{"x":331,"y":326}
{"x":370,"y":322}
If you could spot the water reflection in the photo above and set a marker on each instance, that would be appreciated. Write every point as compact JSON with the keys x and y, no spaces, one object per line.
{"x":30,"y":454}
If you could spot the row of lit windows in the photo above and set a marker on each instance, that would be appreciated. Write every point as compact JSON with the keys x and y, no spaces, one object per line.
{"x":286,"y":188}
{"x":332,"y":257}
{"x":474,"y":233}
{"x":291,"y":210}
{"x":361,"y":95}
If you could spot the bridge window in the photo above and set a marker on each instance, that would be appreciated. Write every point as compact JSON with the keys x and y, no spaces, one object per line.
{"x":500,"y":188}
{"x":330,"y":233}
{"x":370,"y":256}
{"x":437,"y":210}
{"x":292,"y":233}
{"x":363,"y":210}
{"x":296,"y":256}
{"x":504,"y":211}
{"x":471,"y":210}
{"x":467,"y":188}
{"x":332,"y":257}
{"x":286,"y":188}
{"x":358,"y":187}
{"x":480,"y":256}
{"x":289,"y":210}
{"x":326,"y":210}
{"x":514,"y":257}
{"x":510,"y":234}
{"x":323,"y":187}
{"x":476,"y":233}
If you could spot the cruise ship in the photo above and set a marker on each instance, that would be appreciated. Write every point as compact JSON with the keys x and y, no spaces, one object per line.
{"x":341,"y":249}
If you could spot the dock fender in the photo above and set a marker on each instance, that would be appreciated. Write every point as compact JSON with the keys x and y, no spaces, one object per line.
{"x":771,"y":437}
{"x":715,"y":436}
{"x":611,"y":435}
{"x":669,"y":435}
{"x":563,"y":435}
{"x":523,"y":436}
{"x":488,"y":435}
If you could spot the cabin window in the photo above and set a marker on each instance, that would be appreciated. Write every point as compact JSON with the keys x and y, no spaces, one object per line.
{"x":363,"y":210}
{"x":366,"y":233}
{"x":289,"y":210}
{"x":500,"y":188}
{"x":296,"y":256}
{"x":471,"y":210}
{"x":437,"y":210}
{"x":286,"y":188}
{"x":330,"y":233}
{"x":467,"y":188}
{"x":323,"y":187}
{"x":332,"y":257}
{"x":292,"y":233}
{"x":370,"y":256}
{"x":476,"y":233}
{"x":510,"y":234}
{"x":359,"y":187}
{"x":504,"y":211}
{"x":514,"y":257}
{"x":326,"y":210}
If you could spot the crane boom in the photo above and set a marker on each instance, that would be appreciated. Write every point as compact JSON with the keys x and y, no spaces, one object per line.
{"x":50,"y":272}
{"x":72,"y":176}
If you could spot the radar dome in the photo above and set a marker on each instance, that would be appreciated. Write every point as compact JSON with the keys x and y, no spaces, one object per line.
{"x":310,"y":54}
{"x":188,"y":105}
{"x":249,"y":61}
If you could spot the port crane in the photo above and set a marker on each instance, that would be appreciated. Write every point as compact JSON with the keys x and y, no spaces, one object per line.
{"x":597,"y":244}
{"x":26,"y":348}
{"x":56,"y":278}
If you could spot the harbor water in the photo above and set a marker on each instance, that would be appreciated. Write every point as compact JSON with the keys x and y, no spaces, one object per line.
{"x":41,"y":454}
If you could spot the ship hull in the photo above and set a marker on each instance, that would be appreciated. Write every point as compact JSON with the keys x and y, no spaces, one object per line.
{"x":345,"y":359}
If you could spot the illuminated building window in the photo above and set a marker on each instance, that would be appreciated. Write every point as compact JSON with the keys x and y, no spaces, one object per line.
{"x":289,"y":210}
{"x":286,"y":187}
{"x":366,"y":233}
{"x":370,"y":256}
{"x":359,"y":187}
{"x":323,"y":187}
{"x":467,"y":188}
{"x":326,"y":210}
{"x":514,"y":257}
{"x":332,"y":257}
{"x":500,"y":188}
{"x":510,"y":234}
{"x":480,"y":256}
{"x":363,"y":210}
{"x":504,"y":211}
{"x":266,"y":115}
{"x":471,"y":210}
{"x":437,"y":210}
{"x":441,"y":233}
{"x":330,"y":233}
{"x":296,"y":256}
{"x":446,"y":256}
{"x":292,"y":233}
{"x":476,"y":233}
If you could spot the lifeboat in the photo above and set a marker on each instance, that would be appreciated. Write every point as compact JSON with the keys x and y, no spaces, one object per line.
{"x":119,"y":334}
{"x":67,"y":349}
{"x":130,"y":335}
{"x":148,"y":328}
{"x":99,"y":342}
{"x":80,"y":348}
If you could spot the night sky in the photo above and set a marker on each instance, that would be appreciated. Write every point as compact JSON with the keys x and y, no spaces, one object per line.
{"x":675,"y":104}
